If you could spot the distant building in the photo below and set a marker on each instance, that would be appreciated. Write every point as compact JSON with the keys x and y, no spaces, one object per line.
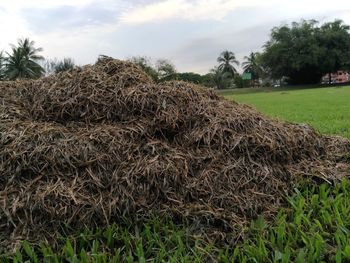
{"x":340,"y":76}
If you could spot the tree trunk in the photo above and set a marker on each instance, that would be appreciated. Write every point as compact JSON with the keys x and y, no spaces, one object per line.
{"x":330,"y":78}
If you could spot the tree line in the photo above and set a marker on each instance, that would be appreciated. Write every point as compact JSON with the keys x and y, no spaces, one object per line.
{"x":304,"y":52}
{"x":296,"y":53}
{"x":299,"y":53}
{"x":25,"y":62}
{"x":222,"y":76}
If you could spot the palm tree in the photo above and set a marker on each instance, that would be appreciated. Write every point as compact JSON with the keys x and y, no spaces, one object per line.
{"x":226,"y":59}
{"x":64,"y":65}
{"x":252,"y":65}
{"x":220,"y":79}
{"x":29,"y":51}
{"x":22,"y":62}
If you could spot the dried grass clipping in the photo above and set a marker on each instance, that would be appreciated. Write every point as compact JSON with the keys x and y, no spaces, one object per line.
{"x":91,"y":145}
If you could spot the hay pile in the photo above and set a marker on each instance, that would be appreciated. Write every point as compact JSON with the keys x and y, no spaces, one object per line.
{"x":89,"y":146}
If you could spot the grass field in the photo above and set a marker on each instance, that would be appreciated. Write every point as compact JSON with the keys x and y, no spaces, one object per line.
{"x":315,"y":227}
{"x":326,"y":109}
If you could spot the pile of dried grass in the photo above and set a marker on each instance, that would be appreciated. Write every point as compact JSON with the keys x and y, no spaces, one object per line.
{"x":91,"y":145}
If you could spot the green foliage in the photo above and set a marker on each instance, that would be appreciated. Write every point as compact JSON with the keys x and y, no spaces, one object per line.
{"x":22,"y":62}
{"x":189,"y":77}
{"x":222,"y":76}
{"x":334,"y":39}
{"x":227,"y":60}
{"x":2,"y":66}
{"x":208,"y":80}
{"x":162,"y":70}
{"x":304,"y":52}
{"x":240,"y":82}
{"x":55,"y":66}
{"x":252,"y":64}
{"x":146,"y":65}
{"x":165,"y":69}
{"x":64,"y":65}
{"x":214,"y":79}
{"x":222,"y":80}
{"x":156,"y":241}
{"x":316,"y":228}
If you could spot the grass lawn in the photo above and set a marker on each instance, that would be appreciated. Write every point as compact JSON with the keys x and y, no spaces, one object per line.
{"x":326,"y":109}
{"x":314,"y":228}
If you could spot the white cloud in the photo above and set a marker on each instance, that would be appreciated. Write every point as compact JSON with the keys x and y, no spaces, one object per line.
{"x":120,"y":38}
{"x":190,"y":10}
{"x":12,"y":23}
{"x":12,"y":27}
{"x":219,"y":9}
{"x":82,"y":44}
{"x":16,"y":5}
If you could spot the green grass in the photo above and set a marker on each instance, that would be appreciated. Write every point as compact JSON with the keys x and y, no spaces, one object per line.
{"x":315,"y":226}
{"x":156,"y":241}
{"x":326,"y":109}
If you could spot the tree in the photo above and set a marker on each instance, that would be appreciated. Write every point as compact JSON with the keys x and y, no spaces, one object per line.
{"x":2,"y":66}
{"x":166,"y":69}
{"x":240,"y":82}
{"x":304,"y":52}
{"x":252,"y":65}
{"x":49,"y":66}
{"x":189,"y":77}
{"x":222,"y":80}
{"x":208,"y":80}
{"x":55,"y":66}
{"x":334,"y":39}
{"x":162,"y":70}
{"x":64,"y":65}
{"x":22,"y":62}
{"x":145,"y":64}
{"x":226,"y":61}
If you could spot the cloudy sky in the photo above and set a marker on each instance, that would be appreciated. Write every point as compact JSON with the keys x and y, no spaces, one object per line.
{"x":191,"y":33}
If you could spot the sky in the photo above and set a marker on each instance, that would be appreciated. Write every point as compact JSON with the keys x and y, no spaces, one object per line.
{"x":190,"y":33}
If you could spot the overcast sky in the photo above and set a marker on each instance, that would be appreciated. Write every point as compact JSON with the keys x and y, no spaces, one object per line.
{"x":191,"y":33}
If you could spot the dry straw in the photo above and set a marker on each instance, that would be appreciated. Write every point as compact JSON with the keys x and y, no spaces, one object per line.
{"x":89,"y":146}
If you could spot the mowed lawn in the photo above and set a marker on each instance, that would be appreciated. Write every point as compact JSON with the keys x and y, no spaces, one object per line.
{"x":326,"y":109}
